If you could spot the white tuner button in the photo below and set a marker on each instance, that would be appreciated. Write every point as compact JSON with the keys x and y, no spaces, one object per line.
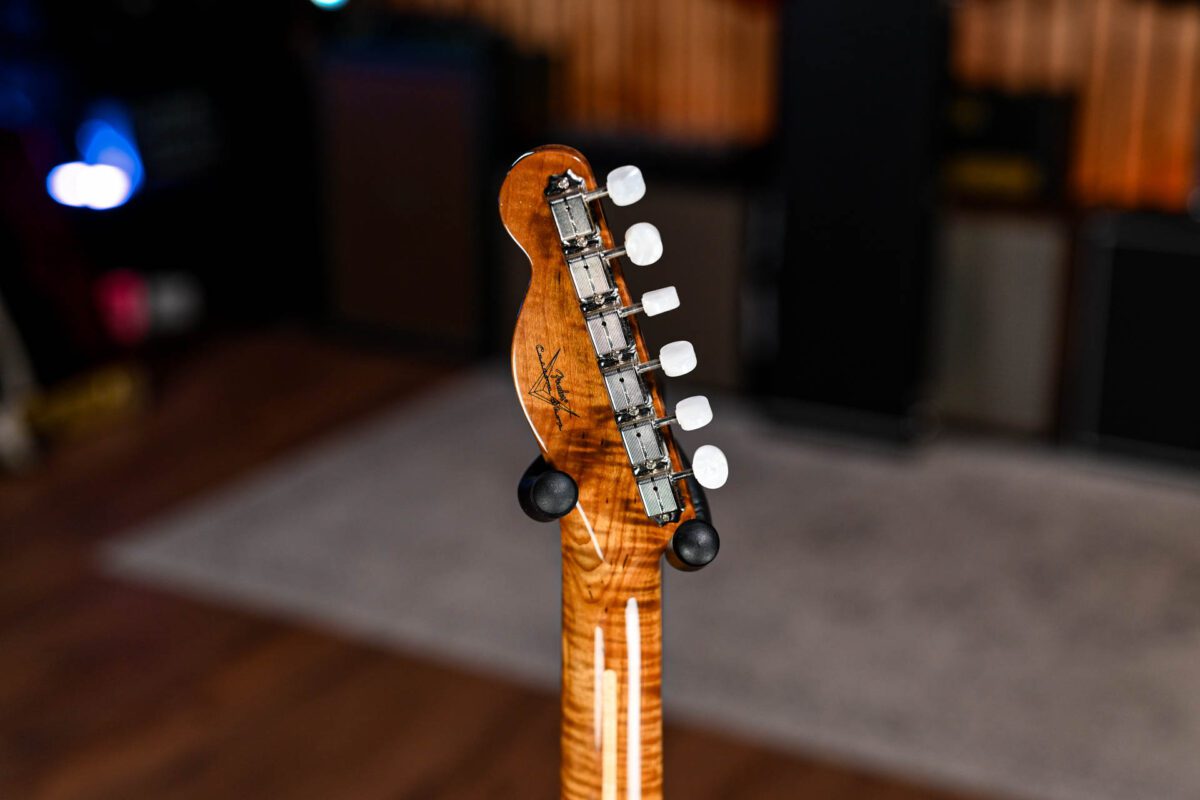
{"x":693,"y":412}
{"x":643,"y":245}
{"x":625,"y":185}
{"x":660,"y":301}
{"x":709,"y":467}
{"x":677,"y":358}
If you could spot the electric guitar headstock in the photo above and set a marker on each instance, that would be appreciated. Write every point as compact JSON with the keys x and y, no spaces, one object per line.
{"x":610,"y":469}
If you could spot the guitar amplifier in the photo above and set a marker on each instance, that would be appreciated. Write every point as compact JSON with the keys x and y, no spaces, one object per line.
{"x":861,"y":108}
{"x":1134,"y":378}
{"x":413,"y":123}
{"x":401,"y":217}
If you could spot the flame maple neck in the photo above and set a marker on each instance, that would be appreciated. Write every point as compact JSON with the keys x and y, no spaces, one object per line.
{"x":611,"y":549}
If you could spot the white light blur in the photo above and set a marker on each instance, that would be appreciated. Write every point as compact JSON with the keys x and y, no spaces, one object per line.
{"x":329,"y":4}
{"x":97,"y":186}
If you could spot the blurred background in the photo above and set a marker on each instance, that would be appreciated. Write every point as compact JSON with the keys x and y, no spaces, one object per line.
{"x":938,"y":259}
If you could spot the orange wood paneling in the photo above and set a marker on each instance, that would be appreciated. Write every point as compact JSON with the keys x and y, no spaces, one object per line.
{"x":1135,"y":67}
{"x":697,"y":71}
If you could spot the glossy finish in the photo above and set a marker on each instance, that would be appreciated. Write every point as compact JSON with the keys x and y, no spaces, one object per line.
{"x":612,"y":553}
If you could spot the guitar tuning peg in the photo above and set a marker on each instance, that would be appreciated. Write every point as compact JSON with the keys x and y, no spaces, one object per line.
{"x":660,"y":301}
{"x":691,"y":413}
{"x":655,"y":302}
{"x":709,"y":467}
{"x":643,"y":244}
{"x":675,"y":359}
{"x":625,"y":185}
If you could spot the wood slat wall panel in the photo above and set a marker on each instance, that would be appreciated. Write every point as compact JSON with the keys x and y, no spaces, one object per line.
{"x":1135,"y":65}
{"x":704,"y":71}
{"x":699,"y":71}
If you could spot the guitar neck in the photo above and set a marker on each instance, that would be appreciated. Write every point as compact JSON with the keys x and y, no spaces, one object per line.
{"x":586,"y":382}
{"x":612,"y":623}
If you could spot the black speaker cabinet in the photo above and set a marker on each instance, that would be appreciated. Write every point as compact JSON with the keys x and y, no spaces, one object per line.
{"x":1134,"y":366}
{"x":861,"y":89}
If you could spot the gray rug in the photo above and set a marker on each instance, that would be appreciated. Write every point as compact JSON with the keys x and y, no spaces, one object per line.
{"x":1001,"y":618}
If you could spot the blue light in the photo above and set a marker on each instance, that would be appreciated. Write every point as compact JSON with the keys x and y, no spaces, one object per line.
{"x":111,"y":169}
{"x":107,"y":138}
{"x":329,"y":5}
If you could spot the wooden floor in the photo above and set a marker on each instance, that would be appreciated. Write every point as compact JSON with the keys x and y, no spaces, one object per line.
{"x":110,"y":690}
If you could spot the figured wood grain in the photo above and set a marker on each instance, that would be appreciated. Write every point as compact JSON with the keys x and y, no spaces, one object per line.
{"x":581,"y":438}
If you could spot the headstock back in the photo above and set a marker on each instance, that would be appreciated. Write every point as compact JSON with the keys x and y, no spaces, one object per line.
{"x":585,"y":380}
{"x":581,"y":369}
